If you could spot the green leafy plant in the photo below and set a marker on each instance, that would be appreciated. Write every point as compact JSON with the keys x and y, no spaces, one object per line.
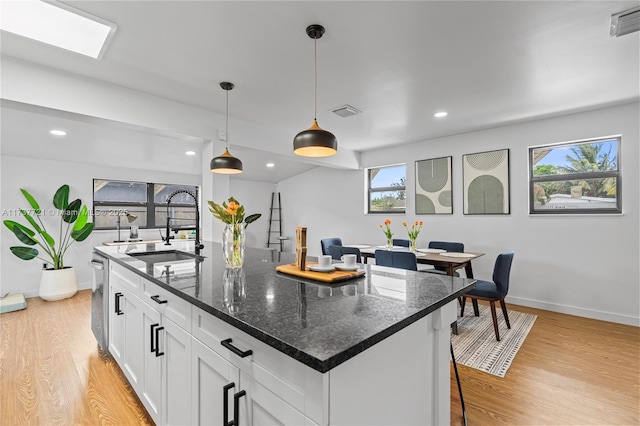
{"x":74,"y":226}
{"x":231,"y":212}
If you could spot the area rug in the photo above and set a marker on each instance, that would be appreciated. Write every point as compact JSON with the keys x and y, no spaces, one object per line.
{"x":475,"y":345}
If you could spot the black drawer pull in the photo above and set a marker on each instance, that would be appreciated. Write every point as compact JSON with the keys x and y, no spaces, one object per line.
{"x":117,"y":300}
{"x":225,"y":402}
{"x":158,"y":353}
{"x":242,"y":354}
{"x":151,"y":337}
{"x":156,"y":299}
{"x":236,"y":407}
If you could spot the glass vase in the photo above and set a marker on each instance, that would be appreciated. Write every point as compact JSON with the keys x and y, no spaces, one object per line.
{"x":412,"y":245}
{"x":389,"y":243}
{"x":233,"y":289}
{"x":233,"y":245}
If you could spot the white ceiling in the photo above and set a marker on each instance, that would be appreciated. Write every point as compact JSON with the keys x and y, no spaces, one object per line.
{"x":486,"y":63}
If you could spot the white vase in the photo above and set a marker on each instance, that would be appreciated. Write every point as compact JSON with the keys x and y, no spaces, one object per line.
{"x":58,"y":284}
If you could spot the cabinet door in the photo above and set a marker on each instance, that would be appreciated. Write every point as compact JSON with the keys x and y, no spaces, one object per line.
{"x":116,"y":323}
{"x":176,"y":386}
{"x":210,"y":374}
{"x":267,"y":409}
{"x":132,"y":355}
{"x":150,"y":348}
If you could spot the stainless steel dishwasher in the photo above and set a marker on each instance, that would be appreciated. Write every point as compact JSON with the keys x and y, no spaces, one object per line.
{"x":100,"y":300}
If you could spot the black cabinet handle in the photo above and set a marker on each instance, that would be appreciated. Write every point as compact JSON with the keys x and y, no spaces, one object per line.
{"x":242,"y":354}
{"x":151,"y":337}
{"x":225,"y":402}
{"x":117,"y":300}
{"x":236,"y":407}
{"x":158,"y":353}
{"x":156,"y":299}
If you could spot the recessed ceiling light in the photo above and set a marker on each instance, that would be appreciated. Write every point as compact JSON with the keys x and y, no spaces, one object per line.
{"x":58,"y":132}
{"x":57,"y":24}
{"x":190,"y":153}
{"x":440,"y":114}
{"x":270,"y":165}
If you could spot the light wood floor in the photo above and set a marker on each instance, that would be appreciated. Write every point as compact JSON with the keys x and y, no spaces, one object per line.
{"x":569,"y":371}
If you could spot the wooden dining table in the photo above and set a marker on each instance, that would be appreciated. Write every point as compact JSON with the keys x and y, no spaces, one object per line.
{"x":449,"y":261}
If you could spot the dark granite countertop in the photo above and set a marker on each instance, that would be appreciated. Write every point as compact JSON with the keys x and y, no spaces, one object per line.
{"x":320,"y":325}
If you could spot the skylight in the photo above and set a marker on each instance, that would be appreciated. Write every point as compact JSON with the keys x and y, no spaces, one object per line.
{"x":57,"y":24}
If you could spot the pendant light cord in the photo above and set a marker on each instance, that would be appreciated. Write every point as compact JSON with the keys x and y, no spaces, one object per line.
{"x":226,"y":124}
{"x":315,"y":79}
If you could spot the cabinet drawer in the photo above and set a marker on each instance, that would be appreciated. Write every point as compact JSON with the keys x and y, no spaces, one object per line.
{"x":168,"y":304}
{"x":128,"y":280}
{"x":298,"y":385}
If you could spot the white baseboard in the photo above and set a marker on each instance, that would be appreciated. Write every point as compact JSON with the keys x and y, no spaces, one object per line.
{"x":574,"y":310}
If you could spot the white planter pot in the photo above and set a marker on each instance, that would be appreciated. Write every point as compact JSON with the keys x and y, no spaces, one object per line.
{"x":57,"y":284}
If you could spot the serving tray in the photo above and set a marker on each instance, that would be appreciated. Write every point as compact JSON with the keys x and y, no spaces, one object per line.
{"x":325,"y":277}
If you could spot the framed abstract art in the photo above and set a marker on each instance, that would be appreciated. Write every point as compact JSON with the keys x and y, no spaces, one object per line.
{"x":433,"y":186}
{"x":485,"y":182}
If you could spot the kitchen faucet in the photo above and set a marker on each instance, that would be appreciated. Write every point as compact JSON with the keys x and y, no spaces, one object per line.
{"x":199,"y":245}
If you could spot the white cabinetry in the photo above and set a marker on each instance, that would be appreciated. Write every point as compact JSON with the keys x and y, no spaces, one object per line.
{"x":153,"y":352}
{"x":270,"y":387}
{"x":188,"y":366}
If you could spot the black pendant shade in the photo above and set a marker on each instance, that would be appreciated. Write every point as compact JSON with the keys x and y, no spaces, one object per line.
{"x":226,"y":163}
{"x":315,"y":141}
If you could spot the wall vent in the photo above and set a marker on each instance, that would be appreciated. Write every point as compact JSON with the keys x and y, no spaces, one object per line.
{"x":345,"y":111}
{"x":626,"y":22}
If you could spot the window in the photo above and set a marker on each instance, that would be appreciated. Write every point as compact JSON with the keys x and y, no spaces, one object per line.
{"x":386,"y":189}
{"x":146,"y":201}
{"x":576,"y":177}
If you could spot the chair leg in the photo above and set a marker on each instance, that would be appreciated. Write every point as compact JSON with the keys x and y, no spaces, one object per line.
{"x":504,"y":312}
{"x":476,"y":310}
{"x":463,"y":300}
{"x":495,"y":319}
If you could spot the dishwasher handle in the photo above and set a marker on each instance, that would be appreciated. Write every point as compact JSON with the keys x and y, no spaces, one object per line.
{"x":96,"y":264}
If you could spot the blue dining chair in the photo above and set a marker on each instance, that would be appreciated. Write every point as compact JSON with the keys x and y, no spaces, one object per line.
{"x":492,"y":291}
{"x":448,"y":246}
{"x":397,"y":259}
{"x":401,"y":242}
{"x":336,"y":252}
{"x":327,"y":242}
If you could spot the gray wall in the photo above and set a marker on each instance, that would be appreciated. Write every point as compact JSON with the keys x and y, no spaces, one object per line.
{"x":583,"y":265}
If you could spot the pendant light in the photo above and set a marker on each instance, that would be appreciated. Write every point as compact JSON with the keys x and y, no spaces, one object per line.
{"x":226,"y":163}
{"x":315,"y":142}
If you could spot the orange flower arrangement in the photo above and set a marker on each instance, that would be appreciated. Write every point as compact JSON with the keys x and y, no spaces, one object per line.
{"x":387,"y":229}
{"x":414,"y":230}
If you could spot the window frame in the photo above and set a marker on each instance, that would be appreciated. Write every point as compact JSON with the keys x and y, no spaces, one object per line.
{"x":369,"y":190}
{"x":617,"y":174}
{"x":149,"y":205}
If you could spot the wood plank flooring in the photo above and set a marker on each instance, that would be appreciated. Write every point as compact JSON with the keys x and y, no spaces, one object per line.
{"x":569,"y":371}
{"x":52,"y":373}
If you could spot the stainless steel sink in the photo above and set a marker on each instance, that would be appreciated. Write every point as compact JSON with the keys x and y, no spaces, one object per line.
{"x":165,"y":256}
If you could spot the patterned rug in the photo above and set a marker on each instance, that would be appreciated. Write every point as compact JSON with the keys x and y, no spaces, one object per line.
{"x":475,"y":345}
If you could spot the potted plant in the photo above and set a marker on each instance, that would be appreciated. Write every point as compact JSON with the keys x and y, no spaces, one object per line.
{"x":58,"y":281}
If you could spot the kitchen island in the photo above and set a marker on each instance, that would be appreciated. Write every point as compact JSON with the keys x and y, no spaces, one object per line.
{"x":372,"y":350}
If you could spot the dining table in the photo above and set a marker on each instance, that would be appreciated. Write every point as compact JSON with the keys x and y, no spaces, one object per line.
{"x":448,"y":260}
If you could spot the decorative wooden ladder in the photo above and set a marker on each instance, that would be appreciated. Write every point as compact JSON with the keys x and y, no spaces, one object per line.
{"x":274,"y":235}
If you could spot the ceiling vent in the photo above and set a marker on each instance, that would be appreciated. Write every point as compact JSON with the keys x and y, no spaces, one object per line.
{"x":345,"y":111}
{"x":626,"y":22}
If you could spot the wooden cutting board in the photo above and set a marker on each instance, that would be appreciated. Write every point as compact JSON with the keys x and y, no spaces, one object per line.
{"x":325,"y":277}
